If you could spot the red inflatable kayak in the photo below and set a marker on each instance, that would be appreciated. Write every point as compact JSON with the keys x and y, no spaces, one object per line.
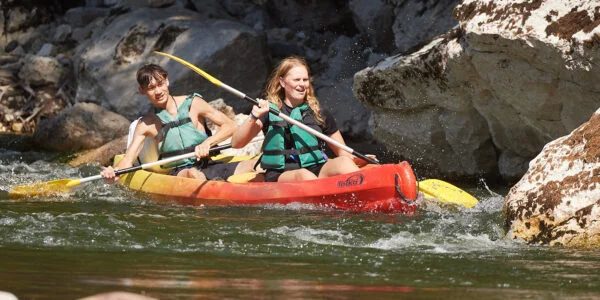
{"x":374,"y":188}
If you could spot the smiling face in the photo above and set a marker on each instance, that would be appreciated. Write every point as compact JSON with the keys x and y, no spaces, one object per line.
{"x":157,"y":91}
{"x":296,"y":84}
{"x":153,"y":84}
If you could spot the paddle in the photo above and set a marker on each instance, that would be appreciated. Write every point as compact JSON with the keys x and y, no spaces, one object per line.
{"x":443,"y":190}
{"x":271,"y":110}
{"x":64,"y":185}
{"x":446,"y":193}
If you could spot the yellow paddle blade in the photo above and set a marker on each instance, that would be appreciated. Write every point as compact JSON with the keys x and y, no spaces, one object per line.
{"x":246,"y":177}
{"x":446,"y":193}
{"x":215,"y":81}
{"x":53,"y":187}
{"x":224,"y":158}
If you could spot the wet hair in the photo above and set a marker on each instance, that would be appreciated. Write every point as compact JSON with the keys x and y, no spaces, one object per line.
{"x":275,"y":93}
{"x":147,"y":72}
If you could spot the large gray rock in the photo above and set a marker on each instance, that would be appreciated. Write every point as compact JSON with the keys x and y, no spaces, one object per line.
{"x":416,"y":115}
{"x":520,"y":74}
{"x":230,"y":51}
{"x":374,"y":19}
{"x":557,"y":202}
{"x":210,"y":9}
{"x":334,"y":87}
{"x":417,"y":22}
{"x":81,"y":16}
{"x":40,"y":70}
{"x":82,"y":126}
{"x":312,"y":16}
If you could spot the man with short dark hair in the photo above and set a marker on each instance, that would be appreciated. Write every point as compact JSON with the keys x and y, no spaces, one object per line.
{"x":178,"y":124}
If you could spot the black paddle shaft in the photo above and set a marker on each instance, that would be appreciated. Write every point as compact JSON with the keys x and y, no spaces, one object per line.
{"x":136,"y":168}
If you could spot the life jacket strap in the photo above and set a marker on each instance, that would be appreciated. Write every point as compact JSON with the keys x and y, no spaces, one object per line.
{"x":291,"y":151}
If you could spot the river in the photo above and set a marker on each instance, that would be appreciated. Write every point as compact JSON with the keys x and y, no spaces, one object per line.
{"x":104,"y":238}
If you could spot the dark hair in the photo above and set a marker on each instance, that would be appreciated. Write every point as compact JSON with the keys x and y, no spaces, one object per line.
{"x":149,"y":71}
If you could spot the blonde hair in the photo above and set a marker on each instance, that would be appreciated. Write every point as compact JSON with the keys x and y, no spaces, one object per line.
{"x":275,"y":93}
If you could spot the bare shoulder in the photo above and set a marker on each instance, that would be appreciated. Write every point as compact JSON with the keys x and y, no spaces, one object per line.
{"x":199,"y":101}
{"x":200,"y":105}
{"x":197,"y":97}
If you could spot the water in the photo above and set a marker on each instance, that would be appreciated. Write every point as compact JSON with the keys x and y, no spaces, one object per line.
{"x":103,"y":238}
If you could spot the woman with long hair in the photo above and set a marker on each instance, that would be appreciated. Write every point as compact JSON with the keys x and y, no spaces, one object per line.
{"x":289,"y":152}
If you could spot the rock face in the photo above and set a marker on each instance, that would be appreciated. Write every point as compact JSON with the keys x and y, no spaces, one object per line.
{"x":101,"y":43}
{"x":39,"y":70}
{"x":102,"y":155}
{"x":557,"y":202}
{"x":486,"y":97}
{"x":419,"y":21}
{"x":82,"y":126}
{"x":107,"y":62}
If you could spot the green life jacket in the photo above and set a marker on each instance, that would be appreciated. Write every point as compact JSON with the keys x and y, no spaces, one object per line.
{"x":178,"y":135}
{"x":306,"y":146}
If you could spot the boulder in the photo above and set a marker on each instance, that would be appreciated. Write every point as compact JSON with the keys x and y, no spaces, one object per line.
{"x":107,"y":63}
{"x":7,"y":296}
{"x":253,"y":148}
{"x":334,"y":87}
{"x":471,"y":72}
{"x":81,"y":16}
{"x":102,"y":155}
{"x":557,"y":202}
{"x":312,"y":16}
{"x":41,"y":70}
{"x":210,"y":9}
{"x":374,"y":19}
{"x":417,"y":117}
{"x":47,"y":50}
{"x":417,"y":22}
{"x":118,"y":295}
{"x":62,"y":33}
{"x":82,"y":126}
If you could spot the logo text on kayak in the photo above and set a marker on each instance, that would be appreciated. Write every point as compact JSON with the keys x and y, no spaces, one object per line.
{"x":351,"y":181}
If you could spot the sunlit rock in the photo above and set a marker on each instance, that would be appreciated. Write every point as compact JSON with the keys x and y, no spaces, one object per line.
{"x":557,"y":202}
{"x":421,"y":111}
{"x":40,"y":70}
{"x":118,"y":296}
{"x":107,"y":63}
{"x":519,"y":75}
{"x":102,"y":155}
{"x":253,"y":148}
{"x":7,"y":296}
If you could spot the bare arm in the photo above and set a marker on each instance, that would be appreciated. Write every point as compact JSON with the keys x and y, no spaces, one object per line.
{"x":337,"y":136}
{"x":226,"y":125}
{"x":251,"y":127}
{"x":142,"y":129}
